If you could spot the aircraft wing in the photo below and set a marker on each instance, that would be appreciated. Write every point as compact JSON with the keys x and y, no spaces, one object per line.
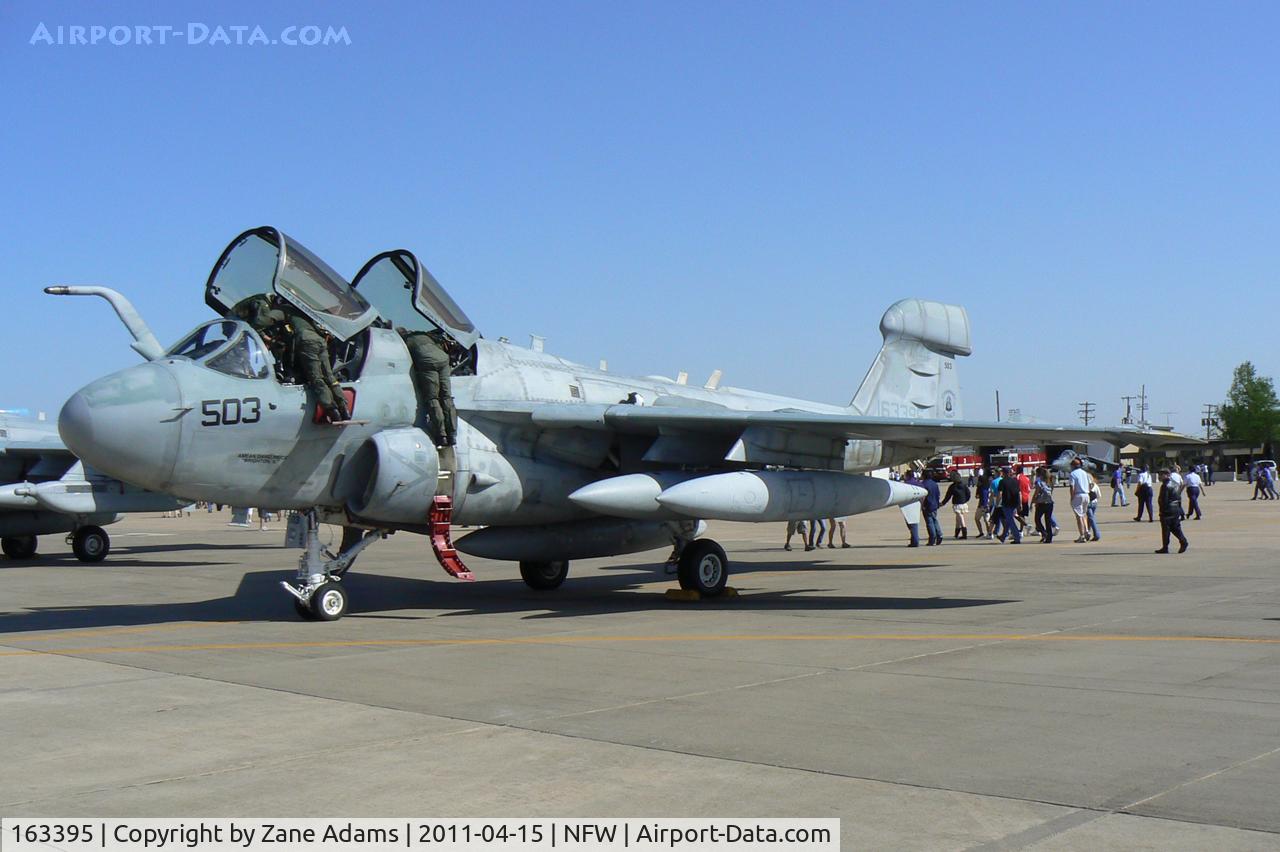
{"x":794,"y":437}
{"x":39,"y":459}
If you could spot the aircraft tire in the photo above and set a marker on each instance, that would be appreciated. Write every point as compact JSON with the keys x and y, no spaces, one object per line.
{"x":303,"y":610}
{"x":703,"y":568}
{"x":91,"y":544}
{"x":544,"y":576}
{"x":329,"y":602}
{"x":19,"y":547}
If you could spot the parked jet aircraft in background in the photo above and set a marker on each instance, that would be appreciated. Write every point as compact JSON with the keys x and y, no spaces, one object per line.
{"x":48,"y":490}
{"x":557,"y":461}
{"x":1093,"y":464}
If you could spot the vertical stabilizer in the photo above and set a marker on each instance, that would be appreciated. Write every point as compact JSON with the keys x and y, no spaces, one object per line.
{"x":914,"y":375}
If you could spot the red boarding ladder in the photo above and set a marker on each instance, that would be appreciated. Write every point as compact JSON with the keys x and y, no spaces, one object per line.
{"x":441,"y":513}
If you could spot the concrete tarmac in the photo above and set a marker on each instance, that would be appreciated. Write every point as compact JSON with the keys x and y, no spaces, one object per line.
{"x":968,"y":696}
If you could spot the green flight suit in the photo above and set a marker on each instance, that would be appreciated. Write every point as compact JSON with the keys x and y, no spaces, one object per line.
{"x":311,"y":365}
{"x":431,"y":381}
{"x":257,"y":311}
{"x":310,"y":353}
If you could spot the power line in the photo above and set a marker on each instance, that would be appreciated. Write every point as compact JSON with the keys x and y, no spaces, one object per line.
{"x":1127,"y":420}
{"x":1210,"y":420}
{"x":1086,"y":412}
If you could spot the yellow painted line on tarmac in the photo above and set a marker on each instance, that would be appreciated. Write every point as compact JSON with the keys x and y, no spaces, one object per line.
{"x":578,"y":640}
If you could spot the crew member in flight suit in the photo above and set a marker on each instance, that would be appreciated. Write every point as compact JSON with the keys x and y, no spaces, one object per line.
{"x":431,"y":381}
{"x":310,"y":352}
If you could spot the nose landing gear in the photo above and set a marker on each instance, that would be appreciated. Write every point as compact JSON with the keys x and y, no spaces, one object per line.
{"x":317,"y":589}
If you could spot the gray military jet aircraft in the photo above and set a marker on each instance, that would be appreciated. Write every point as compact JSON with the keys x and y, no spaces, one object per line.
{"x":547,"y":460}
{"x":48,"y":490}
{"x":1090,"y":462}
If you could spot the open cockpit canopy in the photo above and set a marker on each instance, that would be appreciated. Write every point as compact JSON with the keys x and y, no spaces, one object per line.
{"x":404,"y":293}
{"x":265,"y":261}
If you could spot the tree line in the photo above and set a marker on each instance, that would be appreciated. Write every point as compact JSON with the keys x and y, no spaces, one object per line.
{"x":1251,"y":412}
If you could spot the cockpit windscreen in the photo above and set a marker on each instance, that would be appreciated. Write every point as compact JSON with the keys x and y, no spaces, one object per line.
{"x":243,"y":358}
{"x":204,"y":340}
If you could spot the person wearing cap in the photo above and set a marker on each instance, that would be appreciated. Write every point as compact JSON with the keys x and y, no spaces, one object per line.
{"x":1170,"y":504}
{"x":1080,"y":499}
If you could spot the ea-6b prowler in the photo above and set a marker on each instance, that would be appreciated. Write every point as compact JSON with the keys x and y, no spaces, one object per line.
{"x":555,"y":460}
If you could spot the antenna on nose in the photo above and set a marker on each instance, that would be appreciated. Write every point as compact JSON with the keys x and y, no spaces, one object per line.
{"x":144,"y":342}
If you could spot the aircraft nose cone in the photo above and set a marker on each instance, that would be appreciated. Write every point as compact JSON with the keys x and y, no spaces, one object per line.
{"x":127,"y":424}
{"x":75,"y":424}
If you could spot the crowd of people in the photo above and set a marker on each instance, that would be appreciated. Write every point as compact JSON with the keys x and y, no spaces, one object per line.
{"x":1010,"y":503}
{"x":812,"y":531}
{"x":1263,"y":477}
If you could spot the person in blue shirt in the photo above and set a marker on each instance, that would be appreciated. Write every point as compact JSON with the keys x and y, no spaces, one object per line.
{"x":1118,"y":497}
{"x":930,"y":509}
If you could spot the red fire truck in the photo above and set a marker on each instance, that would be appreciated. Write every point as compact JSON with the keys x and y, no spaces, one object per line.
{"x":972,"y":462}
{"x":947,"y":463}
{"x":1029,"y":458}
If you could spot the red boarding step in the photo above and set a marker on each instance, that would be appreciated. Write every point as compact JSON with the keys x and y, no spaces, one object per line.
{"x":319,"y":415}
{"x":440,"y":515}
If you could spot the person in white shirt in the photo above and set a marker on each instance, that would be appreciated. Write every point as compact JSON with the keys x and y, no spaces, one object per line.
{"x":1144,"y":494}
{"x":1193,"y":484}
{"x":1080,"y":498}
{"x":1175,"y":476}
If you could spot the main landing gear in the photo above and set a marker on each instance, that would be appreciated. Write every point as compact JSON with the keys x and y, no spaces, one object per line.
{"x":702,"y":567}
{"x":89,"y":543}
{"x":18,"y":546}
{"x":317,"y":590}
{"x":544,"y":576}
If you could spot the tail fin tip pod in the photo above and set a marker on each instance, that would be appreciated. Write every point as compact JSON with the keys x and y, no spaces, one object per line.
{"x":914,"y":373}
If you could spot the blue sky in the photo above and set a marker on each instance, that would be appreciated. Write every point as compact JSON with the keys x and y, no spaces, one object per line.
{"x":743,"y":186}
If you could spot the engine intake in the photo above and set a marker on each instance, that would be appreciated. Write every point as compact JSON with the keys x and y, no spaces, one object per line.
{"x":394,"y":476}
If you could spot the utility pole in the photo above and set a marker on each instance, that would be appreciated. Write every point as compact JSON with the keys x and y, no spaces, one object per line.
{"x":997,"y":405}
{"x":1209,"y":421}
{"x":1086,"y":412}
{"x":1128,"y":410}
{"x":1142,"y":407}
{"x":1168,"y":417}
